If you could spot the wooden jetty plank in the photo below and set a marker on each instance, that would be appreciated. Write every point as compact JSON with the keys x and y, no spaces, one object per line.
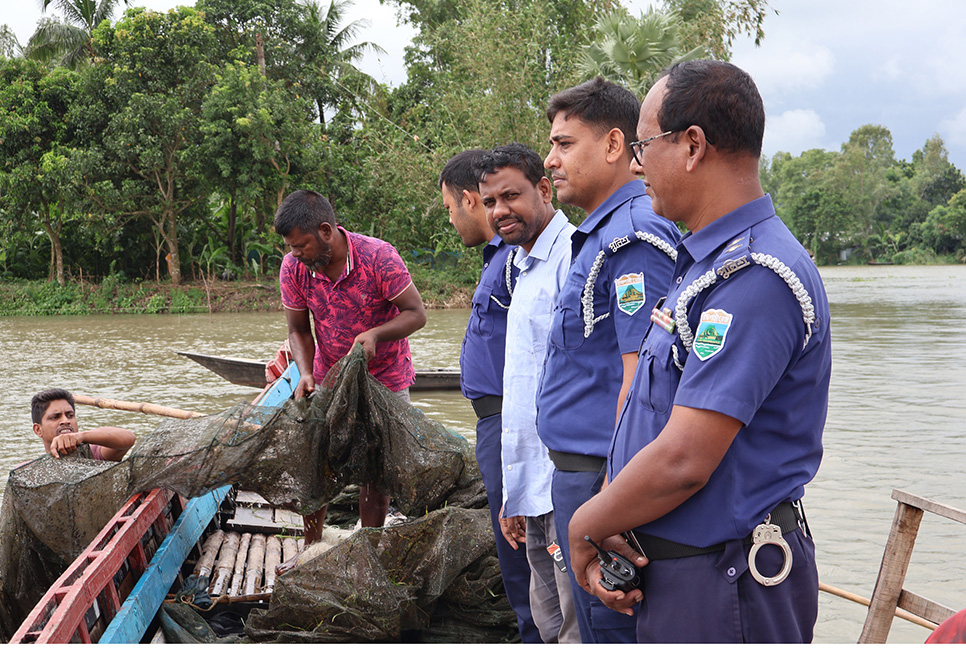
{"x":892,"y":573}
{"x":933,"y":612}
{"x":948,"y":512}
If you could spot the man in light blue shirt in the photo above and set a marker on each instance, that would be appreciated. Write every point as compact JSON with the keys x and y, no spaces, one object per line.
{"x":517,"y":197}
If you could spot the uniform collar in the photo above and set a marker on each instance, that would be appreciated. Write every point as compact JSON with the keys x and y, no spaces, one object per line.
{"x":544,"y":243}
{"x":707,"y":240}
{"x":633,"y":189}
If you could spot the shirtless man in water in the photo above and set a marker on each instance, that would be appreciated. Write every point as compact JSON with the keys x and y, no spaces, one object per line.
{"x":55,"y":422}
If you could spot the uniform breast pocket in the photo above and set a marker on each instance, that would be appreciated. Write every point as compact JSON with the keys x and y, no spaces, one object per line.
{"x":479,"y":322}
{"x":567,"y":328}
{"x":659,"y":378}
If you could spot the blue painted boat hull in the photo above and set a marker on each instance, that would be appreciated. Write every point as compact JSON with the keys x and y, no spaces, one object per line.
{"x":138,"y":610}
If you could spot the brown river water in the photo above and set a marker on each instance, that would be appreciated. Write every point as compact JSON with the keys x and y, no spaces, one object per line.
{"x":897,"y":405}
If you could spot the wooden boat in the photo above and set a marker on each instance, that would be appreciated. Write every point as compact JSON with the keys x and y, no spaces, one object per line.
{"x":113,"y":590}
{"x":251,"y":373}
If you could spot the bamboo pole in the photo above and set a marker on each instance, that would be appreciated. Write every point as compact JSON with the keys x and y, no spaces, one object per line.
{"x":128,"y":406}
{"x":255,"y":565}
{"x":226,"y":563}
{"x":855,"y":598}
{"x":273,"y":556}
{"x":290,"y":548}
{"x":238,"y":577}
{"x":208,"y":553}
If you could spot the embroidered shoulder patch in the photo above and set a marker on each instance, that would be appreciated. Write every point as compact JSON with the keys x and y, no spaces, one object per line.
{"x":630,"y":292}
{"x":711,"y":334}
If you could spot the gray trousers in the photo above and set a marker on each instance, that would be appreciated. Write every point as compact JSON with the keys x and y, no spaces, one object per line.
{"x":551,"y":599}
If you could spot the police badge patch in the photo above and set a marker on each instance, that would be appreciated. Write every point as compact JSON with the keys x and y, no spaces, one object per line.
{"x":712,"y":330}
{"x":630,"y":292}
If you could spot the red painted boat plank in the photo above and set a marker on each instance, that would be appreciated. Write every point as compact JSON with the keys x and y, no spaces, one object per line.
{"x":73,"y":594}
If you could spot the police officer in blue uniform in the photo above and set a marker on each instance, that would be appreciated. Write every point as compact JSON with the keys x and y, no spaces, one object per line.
{"x":723,"y":423}
{"x":621,"y":263}
{"x":481,"y":362}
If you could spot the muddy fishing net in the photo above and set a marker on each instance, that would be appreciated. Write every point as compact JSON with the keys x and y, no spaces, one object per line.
{"x":52,"y":509}
{"x":435,"y":579}
{"x":436,"y":576}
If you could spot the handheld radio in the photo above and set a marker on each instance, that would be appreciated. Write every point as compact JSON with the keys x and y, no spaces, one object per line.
{"x":616,"y":571}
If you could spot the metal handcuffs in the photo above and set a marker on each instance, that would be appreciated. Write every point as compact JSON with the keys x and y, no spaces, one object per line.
{"x":766,"y":534}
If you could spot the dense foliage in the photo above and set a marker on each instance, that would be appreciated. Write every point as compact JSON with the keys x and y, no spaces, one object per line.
{"x":164,"y":155}
{"x":861,"y":205}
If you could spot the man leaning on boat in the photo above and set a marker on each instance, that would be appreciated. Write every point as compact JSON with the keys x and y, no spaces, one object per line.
{"x":722,"y":426}
{"x":55,"y":422}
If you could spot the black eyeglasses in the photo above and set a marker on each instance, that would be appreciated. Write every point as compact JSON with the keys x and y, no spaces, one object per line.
{"x":637,"y":148}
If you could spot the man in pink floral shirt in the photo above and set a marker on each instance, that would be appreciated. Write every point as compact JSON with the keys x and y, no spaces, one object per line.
{"x":358,"y":291}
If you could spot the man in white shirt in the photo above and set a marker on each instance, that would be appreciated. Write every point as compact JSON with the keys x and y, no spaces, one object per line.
{"x":517,"y":197}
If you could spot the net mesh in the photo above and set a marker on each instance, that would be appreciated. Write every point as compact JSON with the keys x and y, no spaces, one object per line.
{"x":436,"y":576}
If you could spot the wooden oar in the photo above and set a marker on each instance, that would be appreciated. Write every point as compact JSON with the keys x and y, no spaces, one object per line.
{"x":855,"y":598}
{"x":127,"y":406}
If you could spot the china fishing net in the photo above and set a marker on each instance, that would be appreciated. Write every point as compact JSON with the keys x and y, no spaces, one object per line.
{"x":436,"y":576}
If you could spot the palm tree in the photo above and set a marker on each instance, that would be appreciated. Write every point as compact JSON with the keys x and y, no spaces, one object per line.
{"x":329,"y":55}
{"x":67,"y":41}
{"x":9,"y":45}
{"x":632,"y":51}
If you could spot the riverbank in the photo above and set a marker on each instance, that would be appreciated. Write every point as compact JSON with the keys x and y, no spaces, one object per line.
{"x":110,"y":296}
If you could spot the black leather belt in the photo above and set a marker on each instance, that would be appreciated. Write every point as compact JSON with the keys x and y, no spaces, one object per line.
{"x":569,"y":462}
{"x":487,"y":406}
{"x":789,"y":516}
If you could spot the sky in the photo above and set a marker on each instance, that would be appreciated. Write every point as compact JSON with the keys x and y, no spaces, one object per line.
{"x":825,"y":67}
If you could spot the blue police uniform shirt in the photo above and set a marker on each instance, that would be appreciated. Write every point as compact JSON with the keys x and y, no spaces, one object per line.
{"x":594,"y":322}
{"x":753,"y":357}
{"x":482,"y":353}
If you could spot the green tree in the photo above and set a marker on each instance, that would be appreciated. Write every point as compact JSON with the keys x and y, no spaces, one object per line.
{"x":68,"y":40}
{"x":301,"y":43}
{"x":9,"y":44}
{"x":936,"y":179}
{"x":36,"y":187}
{"x":255,"y":135}
{"x":861,"y":174}
{"x":328,"y":54}
{"x":631,"y":51}
{"x":805,"y":197}
{"x":140,"y":117}
{"x":715,"y":24}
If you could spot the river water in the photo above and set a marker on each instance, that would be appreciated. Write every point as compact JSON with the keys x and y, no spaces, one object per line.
{"x":895,"y":417}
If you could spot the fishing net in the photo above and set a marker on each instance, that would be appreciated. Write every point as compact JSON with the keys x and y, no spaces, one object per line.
{"x":436,"y":576}
{"x":301,"y":455}
{"x":52,"y":509}
{"x":433,"y":579}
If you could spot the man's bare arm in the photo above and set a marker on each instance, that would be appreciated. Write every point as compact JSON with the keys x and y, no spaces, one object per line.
{"x":411,"y":318}
{"x":302,"y":343}
{"x":629,"y":360}
{"x":657,"y":480}
{"x":114,"y":442}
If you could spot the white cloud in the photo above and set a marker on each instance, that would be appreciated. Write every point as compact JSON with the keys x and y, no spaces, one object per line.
{"x":954,"y":130}
{"x":890,"y":70}
{"x":793,"y":131}
{"x":787,"y":66}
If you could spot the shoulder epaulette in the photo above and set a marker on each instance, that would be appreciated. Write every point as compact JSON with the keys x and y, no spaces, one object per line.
{"x":508,"y":278}
{"x":736,"y":256}
{"x":587,"y":297}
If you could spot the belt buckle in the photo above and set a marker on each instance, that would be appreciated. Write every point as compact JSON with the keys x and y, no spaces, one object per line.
{"x":767,"y":533}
